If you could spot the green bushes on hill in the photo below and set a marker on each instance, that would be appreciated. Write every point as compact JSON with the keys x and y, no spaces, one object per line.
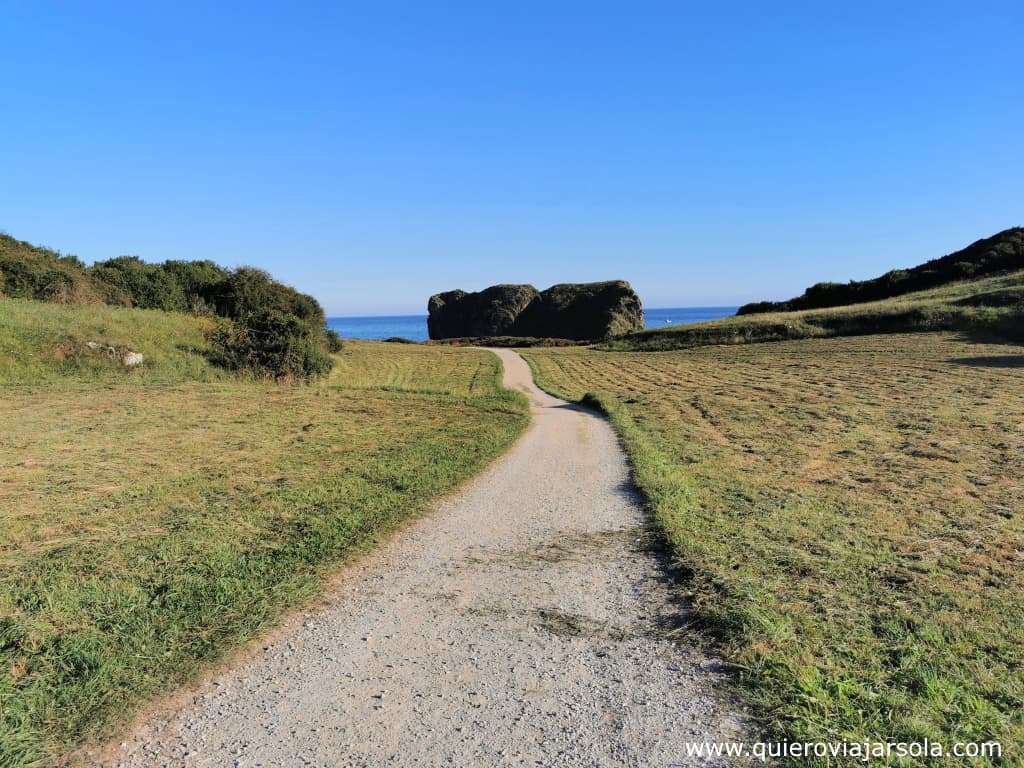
{"x":201,"y":282}
{"x":270,"y":343}
{"x":30,"y":272}
{"x":1003,"y":252}
{"x":333,"y":340}
{"x":131,"y":282}
{"x":247,"y":290}
{"x":268,"y":328}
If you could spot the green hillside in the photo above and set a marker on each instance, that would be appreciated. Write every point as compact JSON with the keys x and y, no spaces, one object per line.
{"x":267,"y":329}
{"x":990,"y":306}
{"x":44,"y":342}
{"x":1001,"y":253}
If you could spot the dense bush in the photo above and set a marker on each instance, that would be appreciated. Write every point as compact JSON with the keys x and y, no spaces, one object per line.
{"x":130,"y":281}
{"x":248,"y":289}
{"x":31,"y":272}
{"x":202,"y":283}
{"x":271,"y":343}
{"x":271,"y":329}
{"x":333,"y":340}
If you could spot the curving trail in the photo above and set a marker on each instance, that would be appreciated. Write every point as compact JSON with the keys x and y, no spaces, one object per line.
{"x":523,"y":622}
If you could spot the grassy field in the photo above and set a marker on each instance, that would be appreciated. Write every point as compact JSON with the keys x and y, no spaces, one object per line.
{"x":990,"y":306}
{"x":149,"y":523}
{"x":415,"y":368}
{"x":851,"y":514}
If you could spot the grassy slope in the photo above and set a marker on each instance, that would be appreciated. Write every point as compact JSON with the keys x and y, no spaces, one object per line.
{"x":149,"y":522}
{"x":45,"y":342}
{"x":851,"y":513}
{"x":959,"y":306}
{"x":998,"y":254}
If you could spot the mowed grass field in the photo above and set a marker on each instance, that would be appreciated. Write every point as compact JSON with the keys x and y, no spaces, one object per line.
{"x":851,"y":514}
{"x":146,"y":528}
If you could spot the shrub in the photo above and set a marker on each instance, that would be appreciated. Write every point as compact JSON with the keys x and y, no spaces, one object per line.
{"x":248,"y":289}
{"x":31,"y":272}
{"x":202,"y":282}
{"x":334,"y":342}
{"x":271,"y":343}
{"x":130,"y":280}
{"x":24,"y":280}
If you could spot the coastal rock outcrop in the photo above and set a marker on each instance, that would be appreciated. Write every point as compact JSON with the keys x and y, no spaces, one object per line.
{"x":490,"y":312}
{"x":580,"y":311}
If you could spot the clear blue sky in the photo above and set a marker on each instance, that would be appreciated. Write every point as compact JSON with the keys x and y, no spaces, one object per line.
{"x":375,"y":153}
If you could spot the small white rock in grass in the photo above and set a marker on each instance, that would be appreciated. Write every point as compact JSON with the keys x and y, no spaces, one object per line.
{"x":131,"y":359}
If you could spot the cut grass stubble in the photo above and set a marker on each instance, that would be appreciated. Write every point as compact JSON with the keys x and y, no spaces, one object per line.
{"x":146,"y":530}
{"x":849,"y":514}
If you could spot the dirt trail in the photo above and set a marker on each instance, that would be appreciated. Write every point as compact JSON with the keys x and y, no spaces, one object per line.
{"x":523,"y":622}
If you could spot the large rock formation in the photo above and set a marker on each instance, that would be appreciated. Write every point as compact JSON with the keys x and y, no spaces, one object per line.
{"x":491,"y":312}
{"x":581,"y":311}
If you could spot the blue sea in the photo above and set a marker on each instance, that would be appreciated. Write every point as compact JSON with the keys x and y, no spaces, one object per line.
{"x":414,"y":327}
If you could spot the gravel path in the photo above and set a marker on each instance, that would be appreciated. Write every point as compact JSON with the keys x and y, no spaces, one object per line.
{"x":524,"y":622}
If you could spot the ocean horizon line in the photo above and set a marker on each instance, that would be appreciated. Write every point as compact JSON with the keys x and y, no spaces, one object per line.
{"x":691,"y":307}
{"x":414,"y":327}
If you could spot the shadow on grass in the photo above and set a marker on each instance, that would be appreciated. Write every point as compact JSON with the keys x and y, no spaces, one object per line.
{"x":991,"y":361}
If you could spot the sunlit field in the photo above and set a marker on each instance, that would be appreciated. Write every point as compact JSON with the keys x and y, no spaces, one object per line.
{"x":146,"y":529}
{"x":851,"y":515}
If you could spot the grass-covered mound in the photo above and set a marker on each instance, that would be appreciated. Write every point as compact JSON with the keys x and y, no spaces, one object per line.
{"x":850,"y":515}
{"x":999,"y":254}
{"x":46,"y":342}
{"x":266,"y":328}
{"x":993,"y":306}
{"x":147,"y":530}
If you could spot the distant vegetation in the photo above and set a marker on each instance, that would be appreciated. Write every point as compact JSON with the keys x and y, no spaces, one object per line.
{"x":848,"y":516}
{"x":266,"y":328}
{"x":992,"y":306}
{"x":1001,"y":253}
